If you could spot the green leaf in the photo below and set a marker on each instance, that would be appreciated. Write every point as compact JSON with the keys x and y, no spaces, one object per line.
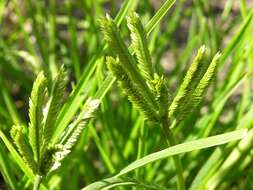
{"x":10,"y":104}
{"x":123,"y":10}
{"x":6,"y":170}
{"x":113,"y":182}
{"x":237,"y":38}
{"x":183,"y":148}
{"x":18,"y":159}
{"x":159,"y":15}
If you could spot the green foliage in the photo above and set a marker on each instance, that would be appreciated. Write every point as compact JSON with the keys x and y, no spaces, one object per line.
{"x":42,"y":35}
{"x":190,"y":92}
{"x":174,"y":150}
{"x":146,"y":89}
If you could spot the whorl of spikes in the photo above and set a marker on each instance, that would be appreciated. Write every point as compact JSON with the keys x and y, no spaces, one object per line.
{"x":193,"y":88}
{"x":196,"y":97}
{"x":187,"y":86}
{"x":144,"y":88}
{"x":39,"y":154}
{"x":126,"y":60}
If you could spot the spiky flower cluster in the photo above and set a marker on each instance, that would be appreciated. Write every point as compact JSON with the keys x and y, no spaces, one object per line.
{"x":37,"y":150}
{"x":145,"y":88}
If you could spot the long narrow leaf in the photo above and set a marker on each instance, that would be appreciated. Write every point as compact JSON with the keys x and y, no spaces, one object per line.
{"x":185,"y":147}
{"x":113,"y":182}
{"x":18,"y":159}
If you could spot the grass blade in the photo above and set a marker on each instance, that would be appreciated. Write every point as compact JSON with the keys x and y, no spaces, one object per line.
{"x":236,"y":39}
{"x":115,"y":182}
{"x":185,"y":147}
{"x":159,"y":15}
{"x":18,"y":159}
{"x":6,"y":171}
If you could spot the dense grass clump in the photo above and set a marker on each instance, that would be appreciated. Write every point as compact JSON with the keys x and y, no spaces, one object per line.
{"x":126,"y":94}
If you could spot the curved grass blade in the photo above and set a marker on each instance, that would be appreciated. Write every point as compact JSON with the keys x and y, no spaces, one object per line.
{"x":116,"y":182}
{"x":6,"y":171}
{"x":183,"y":148}
{"x":174,"y":150}
{"x":236,"y":39}
{"x":159,"y":15}
{"x":28,"y":172}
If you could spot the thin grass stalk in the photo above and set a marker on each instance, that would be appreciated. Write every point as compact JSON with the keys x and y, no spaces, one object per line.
{"x":170,"y":139}
{"x":37,"y":182}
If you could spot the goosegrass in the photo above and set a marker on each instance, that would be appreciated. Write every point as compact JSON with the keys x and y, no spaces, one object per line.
{"x":126,"y":94}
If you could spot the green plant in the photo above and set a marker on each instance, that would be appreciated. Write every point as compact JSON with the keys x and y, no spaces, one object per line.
{"x":146,"y":89}
{"x":123,"y":148}
{"x":37,"y":151}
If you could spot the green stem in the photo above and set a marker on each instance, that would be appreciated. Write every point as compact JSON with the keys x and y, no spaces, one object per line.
{"x":171,"y":141}
{"x":37,"y":182}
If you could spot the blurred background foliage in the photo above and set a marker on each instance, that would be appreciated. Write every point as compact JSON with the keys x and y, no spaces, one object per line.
{"x":45,"y":34}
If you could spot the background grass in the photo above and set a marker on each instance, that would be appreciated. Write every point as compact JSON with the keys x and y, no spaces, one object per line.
{"x":43,"y":35}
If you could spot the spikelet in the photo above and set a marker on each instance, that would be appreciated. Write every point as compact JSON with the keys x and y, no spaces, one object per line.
{"x":205,"y":81}
{"x":49,"y":159}
{"x":188,"y":85}
{"x":23,"y":147}
{"x":162,"y":95}
{"x":127,"y":61}
{"x":54,"y":159}
{"x":196,"y":97}
{"x":78,"y":124}
{"x":54,"y":104}
{"x":131,"y":91}
{"x":36,"y":102}
{"x":140,"y":46}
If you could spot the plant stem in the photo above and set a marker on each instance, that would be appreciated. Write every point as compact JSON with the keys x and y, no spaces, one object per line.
{"x":171,"y":141}
{"x":37,"y":182}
